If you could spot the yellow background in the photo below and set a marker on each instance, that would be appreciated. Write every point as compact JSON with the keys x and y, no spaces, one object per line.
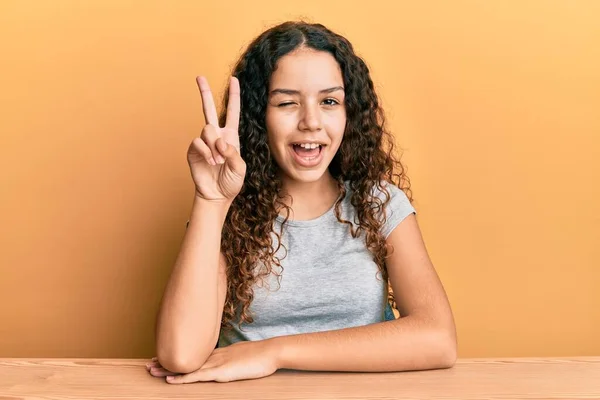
{"x":495,"y":103}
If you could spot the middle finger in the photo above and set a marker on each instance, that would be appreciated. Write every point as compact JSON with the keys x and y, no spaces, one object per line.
{"x":208,"y":103}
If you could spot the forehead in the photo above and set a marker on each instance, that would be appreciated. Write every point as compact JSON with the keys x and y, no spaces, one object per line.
{"x":306,"y":70}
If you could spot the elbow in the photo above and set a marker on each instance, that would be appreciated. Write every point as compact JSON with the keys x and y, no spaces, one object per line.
{"x":178,"y":363}
{"x":180,"y":355}
{"x":181,"y":361}
{"x":448,"y":349}
{"x":448,"y":357}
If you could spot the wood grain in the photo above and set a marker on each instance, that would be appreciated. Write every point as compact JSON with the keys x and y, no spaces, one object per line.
{"x":110,"y":379}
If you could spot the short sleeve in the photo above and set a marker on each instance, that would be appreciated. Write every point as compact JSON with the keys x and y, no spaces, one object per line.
{"x":398,"y":208}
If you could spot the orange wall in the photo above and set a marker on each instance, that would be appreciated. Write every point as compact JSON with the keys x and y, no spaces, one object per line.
{"x":496,"y":104}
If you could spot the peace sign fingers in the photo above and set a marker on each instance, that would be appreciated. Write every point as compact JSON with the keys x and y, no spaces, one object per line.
{"x":208,"y":103}
{"x":233,"y":105}
{"x":217,"y":167}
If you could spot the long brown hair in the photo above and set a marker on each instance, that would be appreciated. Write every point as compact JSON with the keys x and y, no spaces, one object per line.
{"x":365,"y":158}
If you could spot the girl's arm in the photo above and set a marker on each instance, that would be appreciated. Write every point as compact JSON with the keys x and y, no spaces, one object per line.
{"x":189,"y":318}
{"x":424,"y":337}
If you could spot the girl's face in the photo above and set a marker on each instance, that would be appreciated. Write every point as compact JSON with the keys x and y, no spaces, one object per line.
{"x":305,"y":116}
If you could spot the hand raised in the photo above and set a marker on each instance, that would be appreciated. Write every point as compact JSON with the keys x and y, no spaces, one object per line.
{"x":216,"y":165}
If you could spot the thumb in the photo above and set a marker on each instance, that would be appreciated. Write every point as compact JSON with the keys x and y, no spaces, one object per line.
{"x":231,"y":155}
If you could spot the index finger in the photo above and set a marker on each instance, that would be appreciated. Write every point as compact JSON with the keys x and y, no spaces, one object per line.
{"x":208,"y":103}
{"x":233,"y":104}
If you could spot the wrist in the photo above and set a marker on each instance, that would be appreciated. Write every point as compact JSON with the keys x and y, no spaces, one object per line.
{"x":275,"y":348}
{"x":214,"y":205}
{"x":207,"y":210}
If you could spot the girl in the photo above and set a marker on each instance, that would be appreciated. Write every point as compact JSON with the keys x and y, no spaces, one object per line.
{"x":299,"y":226}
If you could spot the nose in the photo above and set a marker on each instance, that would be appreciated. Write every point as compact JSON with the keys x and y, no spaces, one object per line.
{"x":310,"y":119}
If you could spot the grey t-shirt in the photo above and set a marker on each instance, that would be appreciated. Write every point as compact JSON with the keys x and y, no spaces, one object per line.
{"x":329,"y":279}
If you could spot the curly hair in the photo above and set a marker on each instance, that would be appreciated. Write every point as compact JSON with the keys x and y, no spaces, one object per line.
{"x":365,"y":158}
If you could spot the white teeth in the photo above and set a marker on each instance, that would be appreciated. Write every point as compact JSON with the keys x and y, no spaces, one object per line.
{"x":309,"y":145}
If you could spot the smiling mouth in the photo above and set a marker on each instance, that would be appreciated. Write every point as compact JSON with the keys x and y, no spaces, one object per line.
{"x":307,"y":154}
{"x":307,"y":158}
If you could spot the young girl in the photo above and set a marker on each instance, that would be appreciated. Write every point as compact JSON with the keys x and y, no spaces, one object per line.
{"x":299,"y":226}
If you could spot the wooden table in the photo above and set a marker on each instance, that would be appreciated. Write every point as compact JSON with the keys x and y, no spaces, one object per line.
{"x":516,"y":378}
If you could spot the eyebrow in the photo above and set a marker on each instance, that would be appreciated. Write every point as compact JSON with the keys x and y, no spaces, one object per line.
{"x":292,"y":92}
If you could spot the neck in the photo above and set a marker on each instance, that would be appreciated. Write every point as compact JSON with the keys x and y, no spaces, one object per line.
{"x":310,"y":199}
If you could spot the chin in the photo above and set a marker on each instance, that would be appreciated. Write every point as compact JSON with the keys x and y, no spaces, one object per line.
{"x":308,"y":176}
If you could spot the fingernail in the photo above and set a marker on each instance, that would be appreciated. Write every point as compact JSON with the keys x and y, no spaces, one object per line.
{"x":147,"y":366}
{"x":220,"y":160}
{"x":154,"y":358}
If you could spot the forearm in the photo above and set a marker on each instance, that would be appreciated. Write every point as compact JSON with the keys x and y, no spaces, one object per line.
{"x":400,"y":345}
{"x":187,"y":319}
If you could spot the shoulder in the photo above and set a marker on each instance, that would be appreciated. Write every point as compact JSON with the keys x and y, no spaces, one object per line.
{"x":398,"y":207}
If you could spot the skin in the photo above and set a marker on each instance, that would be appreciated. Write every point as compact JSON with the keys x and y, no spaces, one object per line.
{"x":305,"y":103}
{"x":425,"y":336}
{"x":315,"y":110}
